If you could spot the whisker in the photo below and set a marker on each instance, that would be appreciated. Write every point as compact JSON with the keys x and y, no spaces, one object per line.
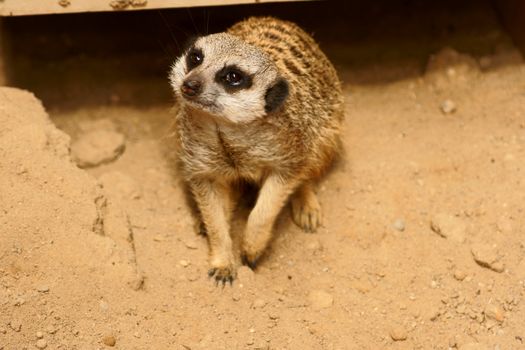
{"x":192,"y":21}
{"x":207,"y":15}
{"x":169,"y":30}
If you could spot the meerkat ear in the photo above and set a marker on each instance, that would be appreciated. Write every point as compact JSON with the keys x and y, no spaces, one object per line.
{"x":276,"y":95}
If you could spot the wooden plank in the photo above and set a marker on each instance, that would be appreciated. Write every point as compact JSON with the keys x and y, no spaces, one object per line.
{"x":512,"y":14}
{"x":36,"y":7}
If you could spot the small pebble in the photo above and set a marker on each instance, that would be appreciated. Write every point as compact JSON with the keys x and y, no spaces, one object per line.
{"x":398,"y":333}
{"x":362,"y":285}
{"x":399,"y":225}
{"x":191,"y":244}
{"x":258,"y":304}
{"x":273,"y":315}
{"x":193,"y":276}
{"x":448,"y":106}
{"x":15,"y":325}
{"x":434,"y":314}
{"x":494,"y":312}
{"x":487,"y":256}
{"x":236,"y":296}
{"x":449,"y":226}
{"x":453,"y":342}
{"x":39,"y":335}
{"x":64,"y":3}
{"x":103,"y":305}
{"x":109,"y":340}
{"x":504,"y":225}
{"x":315,"y":245}
{"x":473,"y":346}
{"x":460,"y":275}
{"x":137,"y":281}
{"x":319,"y":299}
{"x":184,"y":263}
{"x":41,"y":343}
{"x":19,"y":301}
{"x":43,"y":288}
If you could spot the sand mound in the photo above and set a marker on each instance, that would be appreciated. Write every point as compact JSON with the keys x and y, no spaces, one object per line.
{"x":53,"y":217}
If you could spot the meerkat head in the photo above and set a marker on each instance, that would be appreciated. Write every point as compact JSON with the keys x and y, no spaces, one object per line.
{"x":222,"y":75}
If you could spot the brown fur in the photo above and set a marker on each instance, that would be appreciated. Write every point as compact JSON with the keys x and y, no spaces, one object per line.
{"x":283,"y":152}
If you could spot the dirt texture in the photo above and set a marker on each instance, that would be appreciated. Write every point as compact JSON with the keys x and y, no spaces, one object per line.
{"x":422,"y":245}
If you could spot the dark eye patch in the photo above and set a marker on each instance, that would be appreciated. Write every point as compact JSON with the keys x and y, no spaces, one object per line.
{"x":233,"y":79}
{"x":194,"y":58}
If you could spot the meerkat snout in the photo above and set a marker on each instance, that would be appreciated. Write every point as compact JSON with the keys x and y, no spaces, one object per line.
{"x":191,"y":87}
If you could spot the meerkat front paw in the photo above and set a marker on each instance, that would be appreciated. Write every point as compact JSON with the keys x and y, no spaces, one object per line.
{"x":306,"y":211}
{"x":252,"y":249}
{"x":250,"y":259}
{"x":223,"y":268}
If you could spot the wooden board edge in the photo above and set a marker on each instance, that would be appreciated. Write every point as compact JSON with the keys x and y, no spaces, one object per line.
{"x":40,"y":7}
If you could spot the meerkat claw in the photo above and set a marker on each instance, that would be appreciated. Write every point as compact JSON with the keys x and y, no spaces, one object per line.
{"x":251,"y":263}
{"x":219,"y":279}
{"x":223,"y":275}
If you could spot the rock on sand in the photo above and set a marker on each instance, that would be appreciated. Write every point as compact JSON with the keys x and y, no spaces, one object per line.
{"x":97,"y":147}
{"x":487,"y":256}
{"x":449,"y":226}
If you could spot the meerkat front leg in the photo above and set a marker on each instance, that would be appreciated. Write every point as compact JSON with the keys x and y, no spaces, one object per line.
{"x":273,"y":194}
{"x":215,"y":205}
{"x":232,"y":197}
{"x":306,"y":210}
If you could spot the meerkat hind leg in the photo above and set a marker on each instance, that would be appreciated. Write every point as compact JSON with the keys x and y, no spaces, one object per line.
{"x":306,"y":210}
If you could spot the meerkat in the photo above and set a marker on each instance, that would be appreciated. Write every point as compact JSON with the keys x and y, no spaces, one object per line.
{"x":259,"y":103}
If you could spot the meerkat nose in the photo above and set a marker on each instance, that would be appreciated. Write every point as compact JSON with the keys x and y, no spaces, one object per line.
{"x":191,"y":88}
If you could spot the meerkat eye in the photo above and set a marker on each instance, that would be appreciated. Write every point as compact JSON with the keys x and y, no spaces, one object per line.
{"x":194,"y":58}
{"x":234,"y":78}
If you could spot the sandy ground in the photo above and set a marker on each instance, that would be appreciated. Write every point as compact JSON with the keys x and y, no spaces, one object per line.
{"x":422,"y":247}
